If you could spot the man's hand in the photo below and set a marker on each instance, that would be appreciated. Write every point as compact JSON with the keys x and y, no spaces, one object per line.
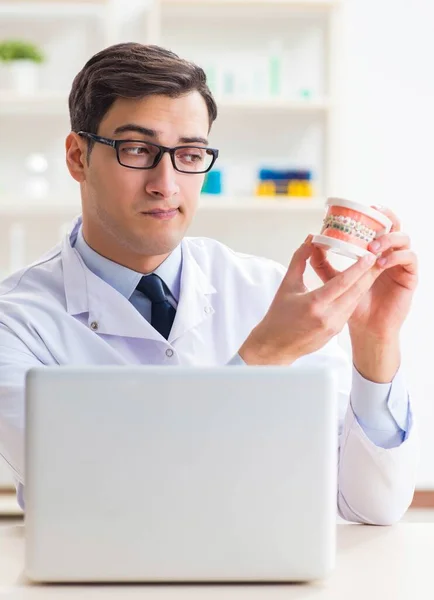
{"x":381,"y":311}
{"x":299,"y":322}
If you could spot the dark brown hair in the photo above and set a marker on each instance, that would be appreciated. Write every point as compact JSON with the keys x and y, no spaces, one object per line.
{"x":132,"y":70}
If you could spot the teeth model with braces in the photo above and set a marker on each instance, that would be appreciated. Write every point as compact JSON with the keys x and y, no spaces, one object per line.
{"x":350,"y":226}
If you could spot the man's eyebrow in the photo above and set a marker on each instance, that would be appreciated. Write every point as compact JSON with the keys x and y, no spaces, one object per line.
{"x":136,"y":129}
{"x":194,"y":140}
{"x":152,"y":133}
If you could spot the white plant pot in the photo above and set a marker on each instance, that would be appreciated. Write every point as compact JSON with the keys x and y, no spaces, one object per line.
{"x":24,"y":76}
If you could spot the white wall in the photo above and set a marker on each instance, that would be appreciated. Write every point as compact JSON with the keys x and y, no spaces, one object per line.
{"x":386,"y":156}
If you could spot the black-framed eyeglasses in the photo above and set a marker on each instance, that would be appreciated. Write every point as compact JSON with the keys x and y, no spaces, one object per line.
{"x":138,"y":154}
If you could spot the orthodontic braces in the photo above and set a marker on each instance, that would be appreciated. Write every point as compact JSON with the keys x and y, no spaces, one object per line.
{"x":349,"y":225}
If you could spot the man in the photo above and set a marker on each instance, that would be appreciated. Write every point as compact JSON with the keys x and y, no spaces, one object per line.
{"x":126,"y":286}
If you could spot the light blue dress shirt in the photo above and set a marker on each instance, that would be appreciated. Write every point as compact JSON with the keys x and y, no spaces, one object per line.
{"x":382,"y":410}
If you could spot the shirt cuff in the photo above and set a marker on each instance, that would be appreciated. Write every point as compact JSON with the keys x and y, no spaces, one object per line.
{"x":236,"y":360}
{"x":381,"y":409}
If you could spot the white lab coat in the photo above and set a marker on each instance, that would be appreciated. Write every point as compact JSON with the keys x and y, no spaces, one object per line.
{"x":57,"y":311}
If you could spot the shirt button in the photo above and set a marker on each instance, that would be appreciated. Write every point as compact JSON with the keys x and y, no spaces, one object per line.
{"x":94,"y":326}
{"x":208,"y":310}
{"x":169,"y":352}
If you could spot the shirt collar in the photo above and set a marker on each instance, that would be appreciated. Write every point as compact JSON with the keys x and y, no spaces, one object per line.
{"x":125,"y":280}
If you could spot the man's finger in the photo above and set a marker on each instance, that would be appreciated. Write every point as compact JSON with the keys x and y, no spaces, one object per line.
{"x":396,"y":240}
{"x":348,"y":301}
{"x":407,"y":259}
{"x":321,"y":265}
{"x":293,"y":280}
{"x":336,"y":287}
{"x":396,"y":223}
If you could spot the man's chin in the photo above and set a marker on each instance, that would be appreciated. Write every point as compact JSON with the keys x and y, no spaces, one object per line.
{"x":157,"y":246}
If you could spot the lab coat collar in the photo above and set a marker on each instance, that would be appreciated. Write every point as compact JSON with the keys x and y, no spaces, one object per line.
{"x":111,"y":313}
{"x":124,"y":279}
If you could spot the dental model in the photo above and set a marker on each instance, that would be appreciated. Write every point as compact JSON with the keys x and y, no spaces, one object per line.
{"x":349,"y":227}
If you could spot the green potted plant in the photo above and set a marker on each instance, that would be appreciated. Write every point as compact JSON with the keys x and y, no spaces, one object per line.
{"x":23,"y":60}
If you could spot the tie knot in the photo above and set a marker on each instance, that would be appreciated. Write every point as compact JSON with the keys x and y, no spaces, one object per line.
{"x":152,"y":287}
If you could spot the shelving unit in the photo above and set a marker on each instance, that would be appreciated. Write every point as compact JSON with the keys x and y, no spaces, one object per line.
{"x":298,"y":130}
{"x":293,"y":128}
{"x":283,"y":130}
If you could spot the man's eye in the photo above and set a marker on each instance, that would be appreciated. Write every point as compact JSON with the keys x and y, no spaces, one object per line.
{"x":136,"y":150}
{"x":191,"y":157}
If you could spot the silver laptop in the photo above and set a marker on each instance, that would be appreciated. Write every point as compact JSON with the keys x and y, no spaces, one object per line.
{"x":175,"y":474}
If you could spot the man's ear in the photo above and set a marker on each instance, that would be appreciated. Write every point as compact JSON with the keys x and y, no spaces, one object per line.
{"x":76,"y":156}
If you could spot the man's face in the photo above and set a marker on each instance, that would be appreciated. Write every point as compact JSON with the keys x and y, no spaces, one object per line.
{"x":117,"y":200}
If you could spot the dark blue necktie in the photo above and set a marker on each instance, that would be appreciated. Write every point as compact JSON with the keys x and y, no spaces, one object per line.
{"x":163,"y":312}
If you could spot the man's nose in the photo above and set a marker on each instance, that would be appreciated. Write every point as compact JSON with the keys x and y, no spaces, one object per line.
{"x":162,"y":180}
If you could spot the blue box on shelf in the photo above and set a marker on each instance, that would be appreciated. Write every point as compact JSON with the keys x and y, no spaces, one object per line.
{"x":213,"y":182}
{"x":285,"y":182}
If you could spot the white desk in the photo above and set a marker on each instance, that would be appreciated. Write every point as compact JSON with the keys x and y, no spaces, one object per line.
{"x":374,"y":563}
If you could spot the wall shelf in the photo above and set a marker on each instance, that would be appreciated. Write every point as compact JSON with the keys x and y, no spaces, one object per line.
{"x":262,"y":203}
{"x":56,"y":104}
{"x":42,"y":103}
{"x":270,"y":5}
{"x":17,"y":208}
{"x":51,"y":10}
{"x":274,"y":104}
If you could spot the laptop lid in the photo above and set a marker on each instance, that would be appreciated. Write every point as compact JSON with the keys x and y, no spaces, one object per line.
{"x":139,"y":473}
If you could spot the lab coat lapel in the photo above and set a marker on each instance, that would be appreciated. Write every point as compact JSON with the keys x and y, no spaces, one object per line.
{"x":114,"y":314}
{"x":109,"y":312}
{"x":194,"y":305}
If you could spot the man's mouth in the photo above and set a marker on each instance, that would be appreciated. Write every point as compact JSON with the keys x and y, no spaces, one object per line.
{"x":161,"y":213}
